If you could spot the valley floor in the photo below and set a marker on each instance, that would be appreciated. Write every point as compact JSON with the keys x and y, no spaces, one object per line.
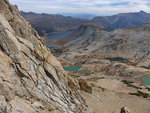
{"x":110,"y":94}
{"x":114,"y":83}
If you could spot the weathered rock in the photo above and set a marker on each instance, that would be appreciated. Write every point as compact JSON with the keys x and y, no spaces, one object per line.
{"x":3,"y":104}
{"x":85,"y":86}
{"x":73,"y":84}
{"x":125,"y":110}
{"x":31,"y":79}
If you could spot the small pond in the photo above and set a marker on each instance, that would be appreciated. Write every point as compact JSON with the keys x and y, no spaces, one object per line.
{"x":119,"y":59}
{"x":145,"y":79}
{"x":72,"y":68}
{"x":52,"y":45}
{"x":77,"y":69}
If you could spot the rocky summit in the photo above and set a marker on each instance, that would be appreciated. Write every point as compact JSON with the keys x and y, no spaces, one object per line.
{"x":31,"y":79}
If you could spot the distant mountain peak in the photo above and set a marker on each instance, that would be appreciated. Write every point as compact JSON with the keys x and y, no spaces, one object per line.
{"x":142,"y":11}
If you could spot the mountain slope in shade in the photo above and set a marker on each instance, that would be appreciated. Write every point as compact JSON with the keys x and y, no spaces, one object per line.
{"x":31,"y":79}
{"x":47,"y":23}
{"x":123,"y":20}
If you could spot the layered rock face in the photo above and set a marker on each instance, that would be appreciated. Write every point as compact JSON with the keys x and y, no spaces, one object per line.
{"x":31,"y":79}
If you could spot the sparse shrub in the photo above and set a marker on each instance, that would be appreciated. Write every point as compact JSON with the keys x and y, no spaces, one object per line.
{"x":139,"y":93}
{"x":130,"y":84}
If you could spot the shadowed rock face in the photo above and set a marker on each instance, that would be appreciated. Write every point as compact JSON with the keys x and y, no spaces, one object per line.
{"x":31,"y":79}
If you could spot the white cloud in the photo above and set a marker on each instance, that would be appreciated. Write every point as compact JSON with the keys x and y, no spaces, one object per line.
{"x":98,"y":7}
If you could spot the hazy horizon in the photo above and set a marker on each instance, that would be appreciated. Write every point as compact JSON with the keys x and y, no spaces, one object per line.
{"x":94,"y":7}
{"x":76,"y":14}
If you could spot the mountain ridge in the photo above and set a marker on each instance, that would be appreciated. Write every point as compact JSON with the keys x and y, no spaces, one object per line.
{"x":47,"y":23}
{"x":123,"y":20}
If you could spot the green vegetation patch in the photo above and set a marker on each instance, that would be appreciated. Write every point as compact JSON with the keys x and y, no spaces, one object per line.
{"x":146,"y":67}
{"x":139,"y":93}
{"x":130,"y":84}
{"x":75,"y":76}
{"x":148,"y":89}
{"x":93,"y":85}
{"x":85,"y":72}
{"x":95,"y":78}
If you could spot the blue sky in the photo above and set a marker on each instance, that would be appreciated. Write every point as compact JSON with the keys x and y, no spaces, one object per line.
{"x":97,"y":7}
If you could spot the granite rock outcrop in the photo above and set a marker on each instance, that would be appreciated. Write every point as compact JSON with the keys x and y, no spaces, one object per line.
{"x":31,"y":79}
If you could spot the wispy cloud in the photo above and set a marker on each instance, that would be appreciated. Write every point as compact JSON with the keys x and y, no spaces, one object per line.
{"x":98,"y":7}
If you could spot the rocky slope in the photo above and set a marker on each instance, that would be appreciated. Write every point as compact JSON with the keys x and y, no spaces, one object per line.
{"x":131,"y":44}
{"x":123,"y":53}
{"x":31,"y":79}
{"x":114,"y":64}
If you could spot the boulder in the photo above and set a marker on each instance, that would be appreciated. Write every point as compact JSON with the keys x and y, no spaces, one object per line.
{"x":85,"y":86}
{"x":125,"y":110}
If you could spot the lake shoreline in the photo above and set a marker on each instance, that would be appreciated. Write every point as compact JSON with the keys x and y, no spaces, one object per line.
{"x":59,"y":35}
{"x":58,"y":32}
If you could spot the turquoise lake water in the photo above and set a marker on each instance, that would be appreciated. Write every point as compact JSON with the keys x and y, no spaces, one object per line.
{"x":146,"y":80}
{"x":77,"y":69}
{"x":119,"y":59}
{"x":72,"y":68}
